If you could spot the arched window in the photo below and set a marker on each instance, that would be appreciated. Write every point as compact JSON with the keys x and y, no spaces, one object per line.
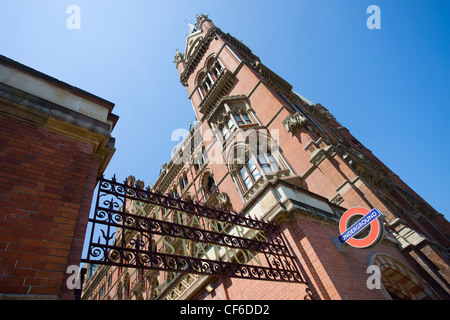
{"x":398,"y":282}
{"x":119,"y":291}
{"x":217,"y":69}
{"x":208,"y":186}
{"x":199,"y":159}
{"x":183,"y":181}
{"x":126,"y":287}
{"x":208,"y":75}
{"x":174,"y":192}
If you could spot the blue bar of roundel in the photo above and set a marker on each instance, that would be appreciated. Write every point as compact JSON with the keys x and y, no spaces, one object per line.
{"x":349,"y":233}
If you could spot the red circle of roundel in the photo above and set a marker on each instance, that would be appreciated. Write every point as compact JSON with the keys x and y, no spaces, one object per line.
{"x":371,"y":238}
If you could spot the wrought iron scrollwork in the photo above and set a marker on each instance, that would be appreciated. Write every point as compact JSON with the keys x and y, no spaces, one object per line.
{"x":127,"y":239}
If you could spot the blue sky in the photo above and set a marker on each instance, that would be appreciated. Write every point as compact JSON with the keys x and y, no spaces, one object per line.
{"x":389,"y":87}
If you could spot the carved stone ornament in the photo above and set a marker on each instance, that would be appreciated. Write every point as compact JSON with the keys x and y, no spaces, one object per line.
{"x":223,"y":200}
{"x":201,"y":17}
{"x":178,"y":57}
{"x":338,"y":199}
{"x":294,"y":121}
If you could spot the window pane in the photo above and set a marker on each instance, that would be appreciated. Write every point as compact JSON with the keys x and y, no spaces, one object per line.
{"x":243,"y":173}
{"x":245,"y":177}
{"x":245,"y":117}
{"x":268,"y":162}
{"x":253,"y":169}
{"x":262,"y":160}
{"x":230,"y":124}
{"x":273,"y":163}
{"x":239,"y":119}
{"x":225,"y":132}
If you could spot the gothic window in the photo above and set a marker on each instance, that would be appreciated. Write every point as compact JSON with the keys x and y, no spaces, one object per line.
{"x":207,"y":83}
{"x":251,"y":171}
{"x":102,"y":291}
{"x":208,"y":187}
{"x":126,"y":287}
{"x":206,"y":79}
{"x":200,"y":159}
{"x":120,"y":291}
{"x":183,"y":181}
{"x":174,"y":192}
{"x":217,"y":69}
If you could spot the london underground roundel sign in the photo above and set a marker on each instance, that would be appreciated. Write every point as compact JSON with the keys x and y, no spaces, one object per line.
{"x":365,"y":232}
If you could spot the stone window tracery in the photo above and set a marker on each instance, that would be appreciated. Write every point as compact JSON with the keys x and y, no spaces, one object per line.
{"x":206,"y":78}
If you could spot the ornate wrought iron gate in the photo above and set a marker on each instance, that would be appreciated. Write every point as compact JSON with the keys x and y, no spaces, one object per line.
{"x":129,"y":223}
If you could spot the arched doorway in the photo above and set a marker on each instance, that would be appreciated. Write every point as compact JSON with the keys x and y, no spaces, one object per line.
{"x":398,"y":282}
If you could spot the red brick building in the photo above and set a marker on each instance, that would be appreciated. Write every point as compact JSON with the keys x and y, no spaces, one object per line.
{"x":299,"y":168}
{"x":55,"y":140}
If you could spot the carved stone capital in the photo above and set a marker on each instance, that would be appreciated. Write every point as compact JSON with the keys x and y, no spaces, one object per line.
{"x":223,"y":200}
{"x":295,"y":121}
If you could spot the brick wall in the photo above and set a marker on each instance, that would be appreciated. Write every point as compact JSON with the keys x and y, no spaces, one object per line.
{"x":329,"y":273}
{"x":46,"y":186}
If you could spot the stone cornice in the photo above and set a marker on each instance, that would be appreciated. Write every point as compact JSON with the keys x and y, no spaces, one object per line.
{"x":29,"y":108}
{"x":274,"y":80}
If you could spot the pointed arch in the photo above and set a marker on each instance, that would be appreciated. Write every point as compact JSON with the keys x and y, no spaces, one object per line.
{"x":399,"y":282}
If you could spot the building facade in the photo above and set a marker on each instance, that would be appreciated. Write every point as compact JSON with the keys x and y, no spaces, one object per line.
{"x":260,"y":149}
{"x":55,"y":141}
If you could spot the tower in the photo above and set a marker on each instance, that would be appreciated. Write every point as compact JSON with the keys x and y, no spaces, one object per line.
{"x":233,"y":92}
{"x":264,"y":151}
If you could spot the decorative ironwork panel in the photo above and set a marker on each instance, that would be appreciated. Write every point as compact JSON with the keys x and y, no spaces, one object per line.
{"x":122,"y":238}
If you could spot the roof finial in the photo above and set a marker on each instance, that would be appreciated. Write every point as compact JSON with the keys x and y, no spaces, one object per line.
{"x":200,"y":18}
{"x":178,"y":57}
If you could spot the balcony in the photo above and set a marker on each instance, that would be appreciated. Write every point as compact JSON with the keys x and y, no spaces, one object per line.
{"x":212,"y":197}
{"x":208,"y":194}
